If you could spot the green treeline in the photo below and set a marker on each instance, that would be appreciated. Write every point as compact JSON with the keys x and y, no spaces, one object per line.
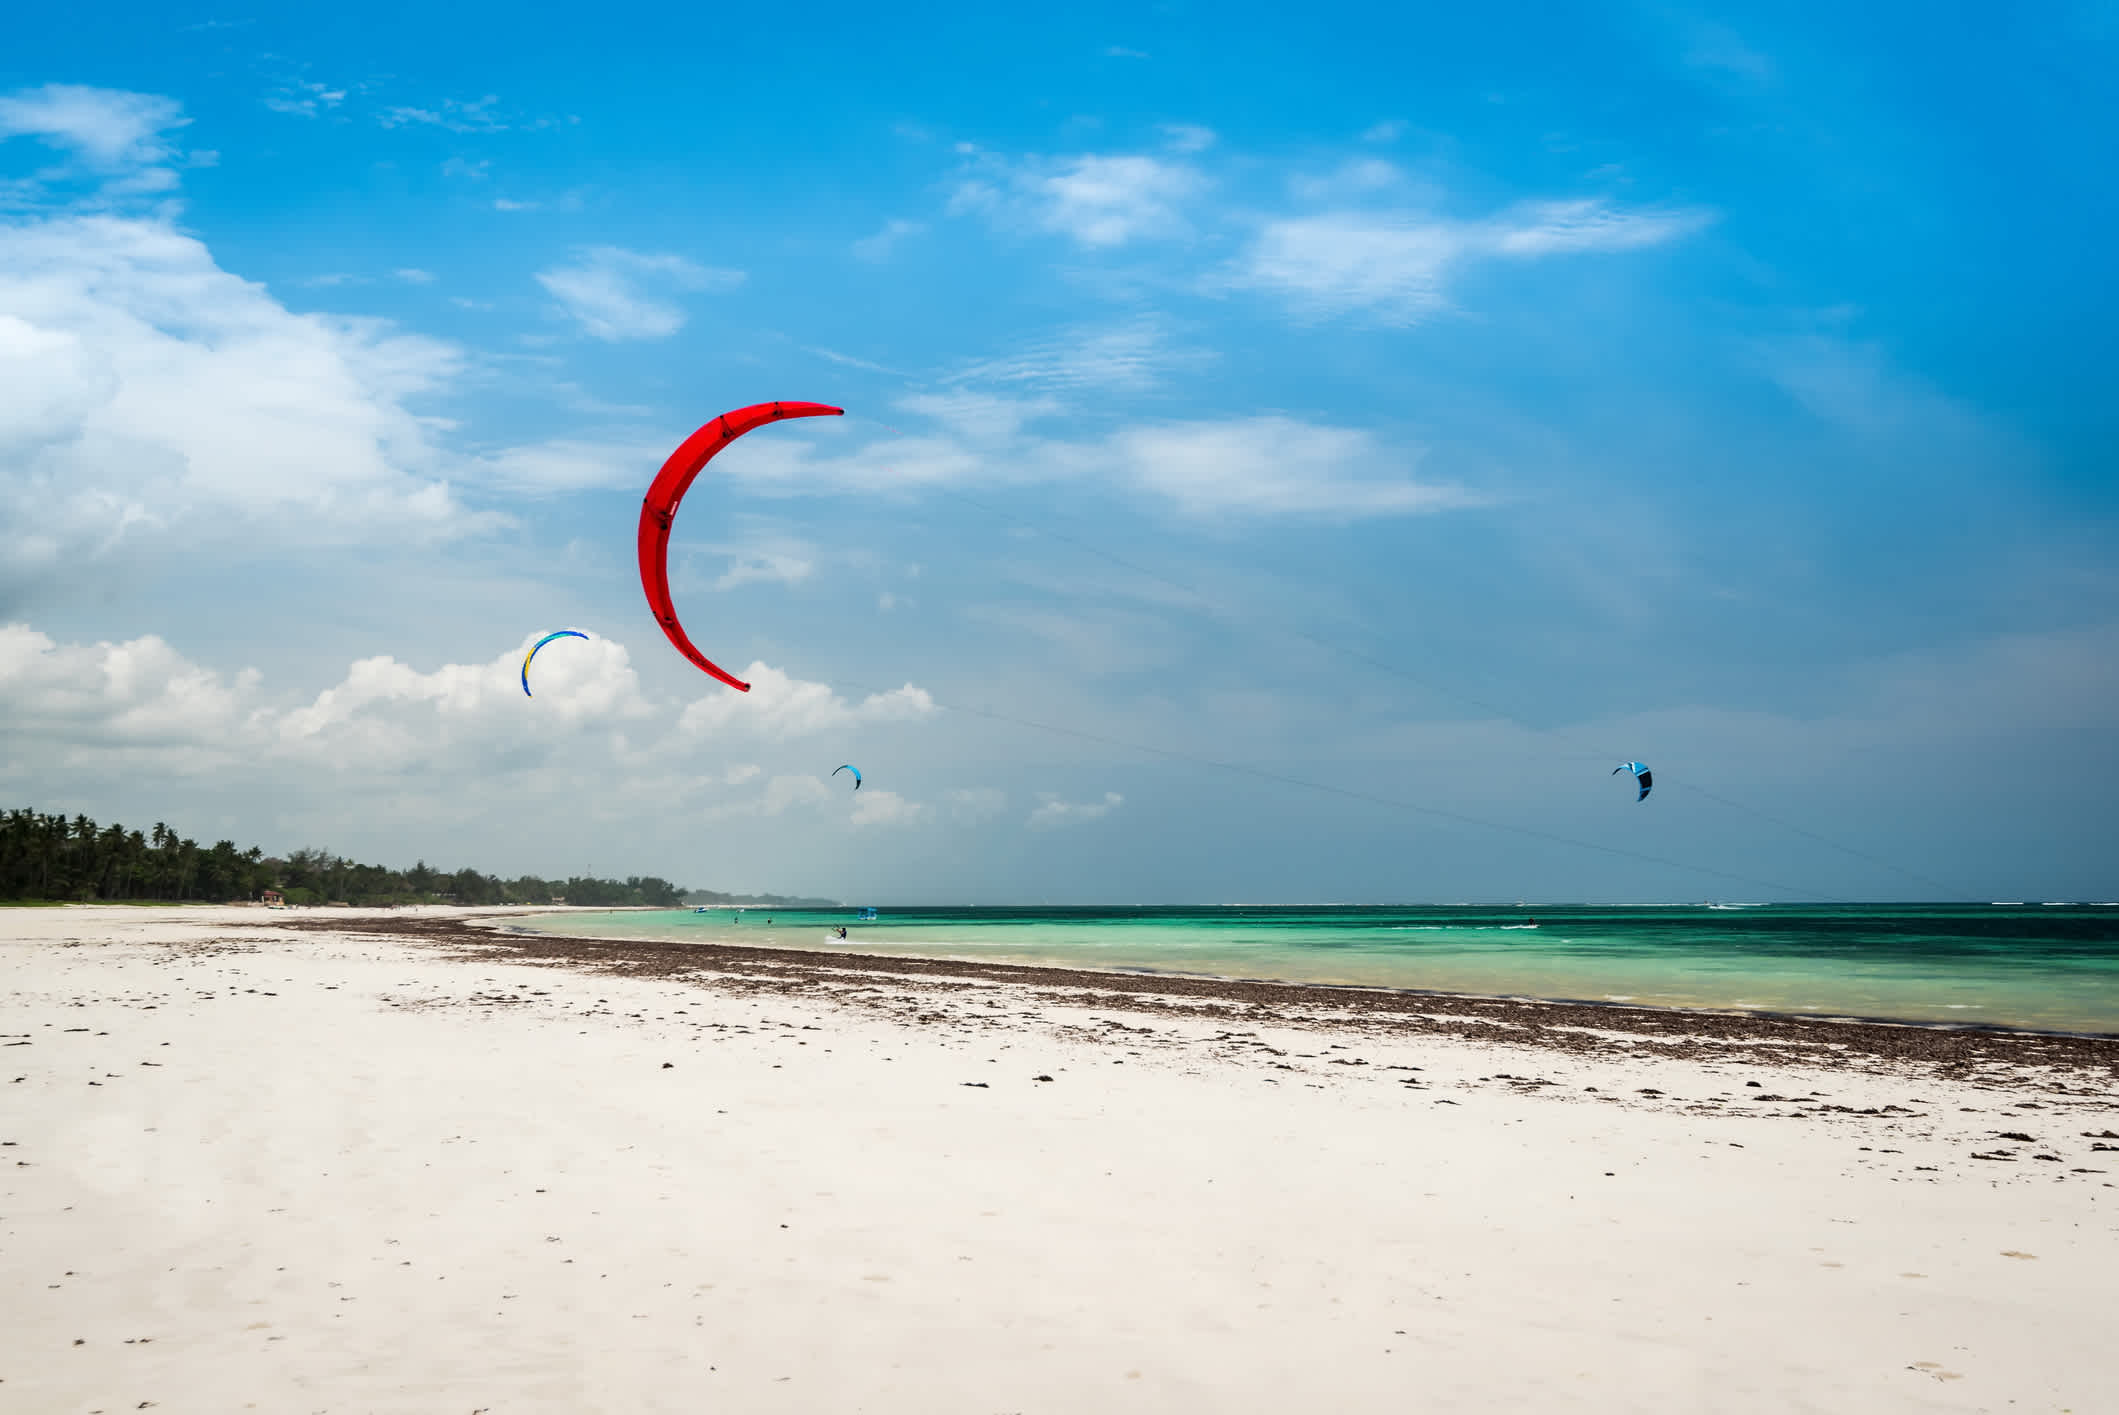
{"x":51,"y":857}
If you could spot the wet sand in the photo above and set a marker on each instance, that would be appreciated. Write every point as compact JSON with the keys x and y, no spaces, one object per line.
{"x":326,"y":1161}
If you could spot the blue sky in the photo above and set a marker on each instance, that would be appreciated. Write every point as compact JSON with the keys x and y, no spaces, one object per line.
{"x":1363,"y":429}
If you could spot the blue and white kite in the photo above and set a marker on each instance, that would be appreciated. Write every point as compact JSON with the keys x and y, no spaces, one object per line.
{"x":561,"y":634}
{"x":856,"y":774}
{"x":1641,"y":775}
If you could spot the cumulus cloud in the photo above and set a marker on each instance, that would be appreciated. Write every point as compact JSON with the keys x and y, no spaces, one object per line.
{"x":390,"y":726}
{"x":106,"y":702}
{"x":148,"y":390}
{"x":617,"y":294}
{"x":144,"y":702}
{"x":1054,"y":812}
{"x":780,"y":706}
{"x":572,"y":679}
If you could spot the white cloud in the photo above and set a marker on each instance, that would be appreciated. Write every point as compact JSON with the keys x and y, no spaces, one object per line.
{"x":1341,"y":262}
{"x":849,"y":361}
{"x":1120,"y":51}
{"x":117,"y":142}
{"x":1095,"y":200}
{"x":1131,"y":357}
{"x":1260,"y":466}
{"x":1389,"y":130}
{"x":1567,"y":227}
{"x":479,"y":115}
{"x":79,"y":703}
{"x":1394,"y":265}
{"x":876,"y":807}
{"x":1187,"y":137}
{"x":784,"y":792}
{"x":150,"y":390}
{"x":305,"y":99}
{"x":95,"y":706}
{"x":877,"y":248}
{"x":984,"y":419}
{"x":109,"y":128}
{"x":1354,"y":179}
{"x":388,"y":714}
{"x":779,"y":706}
{"x":567,"y":464}
{"x":765,"y":559}
{"x":1277,"y":466}
{"x":1055,"y":812}
{"x":617,"y":294}
{"x":415,"y":277}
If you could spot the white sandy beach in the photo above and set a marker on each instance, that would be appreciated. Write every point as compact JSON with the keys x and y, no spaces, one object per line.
{"x":310,"y":1172}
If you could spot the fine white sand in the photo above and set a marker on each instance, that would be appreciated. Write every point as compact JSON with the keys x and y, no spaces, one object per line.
{"x":317,"y":1172}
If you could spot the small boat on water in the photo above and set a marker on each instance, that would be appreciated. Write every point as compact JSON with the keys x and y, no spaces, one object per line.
{"x":866,"y":916}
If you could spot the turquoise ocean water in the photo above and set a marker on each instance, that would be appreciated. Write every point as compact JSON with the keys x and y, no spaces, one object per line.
{"x":2047,"y":966}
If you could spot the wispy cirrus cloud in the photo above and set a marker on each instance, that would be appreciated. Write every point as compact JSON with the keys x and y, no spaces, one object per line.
{"x":764,"y":557}
{"x":116,"y":140}
{"x":1278,"y":466}
{"x":1132,"y":356}
{"x":878,"y":248}
{"x":1214,"y":468}
{"x":1052,"y":811}
{"x":1394,"y":266}
{"x":1095,"y":200}
{"x":109,"y":128}
{"x":564,"y":465}
{"x":617,"y":294}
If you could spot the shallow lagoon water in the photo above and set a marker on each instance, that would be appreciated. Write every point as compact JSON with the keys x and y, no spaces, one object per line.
{"x":2042,"y":965}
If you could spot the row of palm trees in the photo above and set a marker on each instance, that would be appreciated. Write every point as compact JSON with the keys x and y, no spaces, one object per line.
{"x":52,"y":857}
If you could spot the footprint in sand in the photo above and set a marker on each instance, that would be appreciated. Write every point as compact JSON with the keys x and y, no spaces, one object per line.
{"x":1934,"y":1368}
{"x":2012,"y":1253}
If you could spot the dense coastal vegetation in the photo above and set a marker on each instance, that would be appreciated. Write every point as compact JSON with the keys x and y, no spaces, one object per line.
{"x":56,"y":858}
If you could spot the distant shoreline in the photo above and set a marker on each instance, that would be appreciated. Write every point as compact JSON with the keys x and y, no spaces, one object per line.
{"x":1564,"y":1025}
